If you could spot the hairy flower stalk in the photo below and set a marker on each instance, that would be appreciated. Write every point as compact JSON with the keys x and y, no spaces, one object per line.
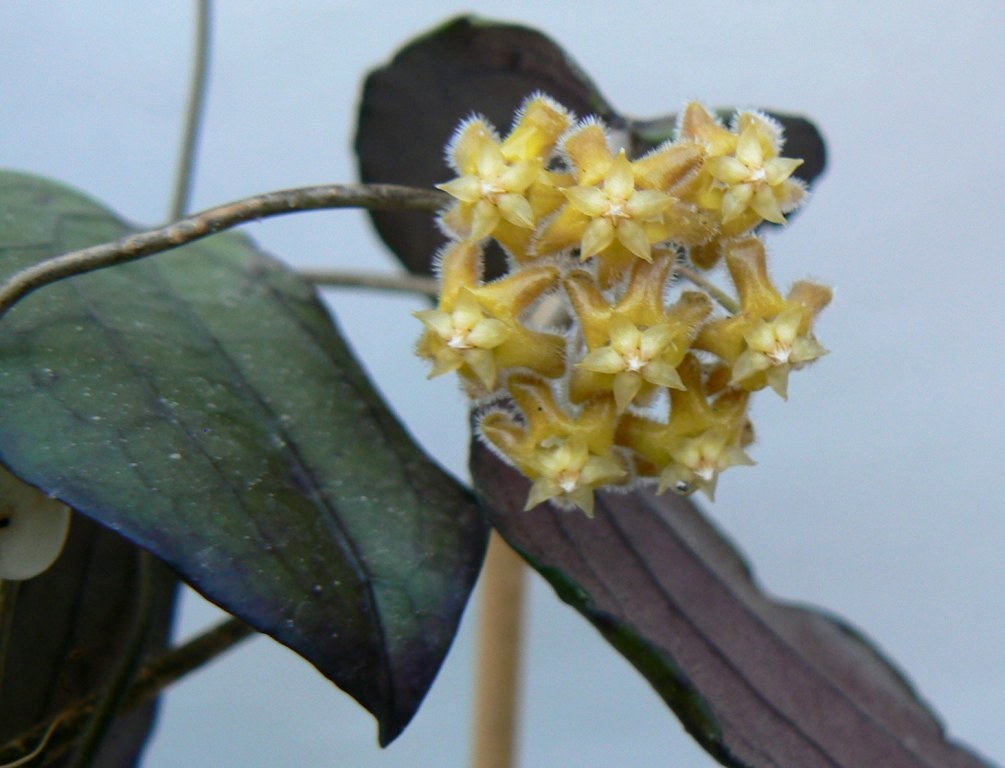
{"x":638,"y":382}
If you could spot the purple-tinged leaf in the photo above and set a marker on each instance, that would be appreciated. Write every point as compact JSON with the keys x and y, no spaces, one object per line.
{"x":756,"y":681}
{"x":411,"y":107}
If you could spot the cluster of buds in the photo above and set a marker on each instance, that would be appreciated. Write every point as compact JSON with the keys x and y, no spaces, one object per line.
{"x":591,"y":368}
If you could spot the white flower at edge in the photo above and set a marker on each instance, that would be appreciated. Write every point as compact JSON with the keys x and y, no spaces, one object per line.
{"x":33,"y":529}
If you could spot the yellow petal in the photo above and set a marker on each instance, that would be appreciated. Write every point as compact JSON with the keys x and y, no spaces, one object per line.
{"x":806,"y":349}
{"x":625,"y":335}
{"x":482,"y":364}
{"x":648,"y":204}
{"x":603,"y":360}
{"x":440,"y":323}
{"x":632,"y":235}
{"x":539,"y":126}
{"x":543,"y":489}
{"x":511,"y":295}
{"x":748,"y":149}
{"x":489,"y":333}
{"x":749,"y":364}
{"x":445,"y":361}
{"x":484,"y":219}
{"x":516,"y":210}
{"x":778,"y":380}
{"x":619,"y":182}
{"x":626,"y":386}
{"x":669,"y":165}
{"x":465,"y":188}
{"x":489,"y":162}
{"x":467,"y":313}
{"x":735,"y":201}
{"x":599,"y":234}
{"x":601,"y":469}
{"x":460,"y":267}
{"x":779,"y":169}
{"x":728,"y":170}
{"x":465,"y":147}
{"x":761,"y":336}
{"x":589,"y":200}
{"x":655,"y":339}
{"x":766,"y":205}
{"x":787,"y":324}
{"x":563,"y":231}
{"x":519,"y":176}
{"x":662,"y":374}
{"x":583,"y":498}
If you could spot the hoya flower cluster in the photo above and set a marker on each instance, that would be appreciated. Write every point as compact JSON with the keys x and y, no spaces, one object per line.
{"x":592,"y":367}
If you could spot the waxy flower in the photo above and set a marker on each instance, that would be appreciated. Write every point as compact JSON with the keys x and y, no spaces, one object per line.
{"x":771,"y":335}
{"x":699,"y":441}
{"x":635,"y":345}
{"x":567,"y":456}
{"x":477,"y":329}
{"x":592,"y":368}
{"x":775,"y":347}
{"x":745,"y":180}
{"x":504,"y":187}
{"x":619,"y":209}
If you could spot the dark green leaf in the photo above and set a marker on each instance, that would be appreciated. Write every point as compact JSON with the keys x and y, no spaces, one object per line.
{"x":757,"y":682}
{"x":202,"y":404}
{"x":69,"y":628}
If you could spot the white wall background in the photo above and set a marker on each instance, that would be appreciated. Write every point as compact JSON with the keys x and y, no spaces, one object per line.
{"x":879,"y":485}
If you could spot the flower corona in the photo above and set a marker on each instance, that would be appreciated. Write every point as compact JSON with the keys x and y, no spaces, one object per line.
{"x":591,"y":368}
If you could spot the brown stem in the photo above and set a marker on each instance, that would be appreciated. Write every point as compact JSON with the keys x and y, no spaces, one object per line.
{"x":151,"y":680}
{"x":405,"y":283}
{"x":385,"y":197}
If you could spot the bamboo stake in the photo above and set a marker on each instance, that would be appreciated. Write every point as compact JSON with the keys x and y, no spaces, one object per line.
{"x":499,"y":658}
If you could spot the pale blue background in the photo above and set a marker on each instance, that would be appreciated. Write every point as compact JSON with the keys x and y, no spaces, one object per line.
{"x":878,"y":490}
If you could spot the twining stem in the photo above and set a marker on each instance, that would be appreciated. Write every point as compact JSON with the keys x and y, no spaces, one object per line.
{"x":404,"y":283}
{"x":499,"y":658}
{"x":39,"y":749}
{"x":154,"y":677}
{"x":185,"y":172}
{"x":382,"y":197}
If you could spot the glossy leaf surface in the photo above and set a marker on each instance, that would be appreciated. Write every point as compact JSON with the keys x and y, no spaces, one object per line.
{"x":756,"y":681}
{"x":202,"y":404}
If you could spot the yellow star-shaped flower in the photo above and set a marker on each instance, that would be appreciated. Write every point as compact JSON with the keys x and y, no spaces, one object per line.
{"x":700,"y":440}
{"x":744,"y":181}
{"x":477,"y":329}
{"x":775,"y":347}
{"x":635,"y":345}
{"x":754,"y":178}
{"x":772,"y":334}
{"x":619,"y":209}
{"x":504,"y":188}
{"x":565,"y":455}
